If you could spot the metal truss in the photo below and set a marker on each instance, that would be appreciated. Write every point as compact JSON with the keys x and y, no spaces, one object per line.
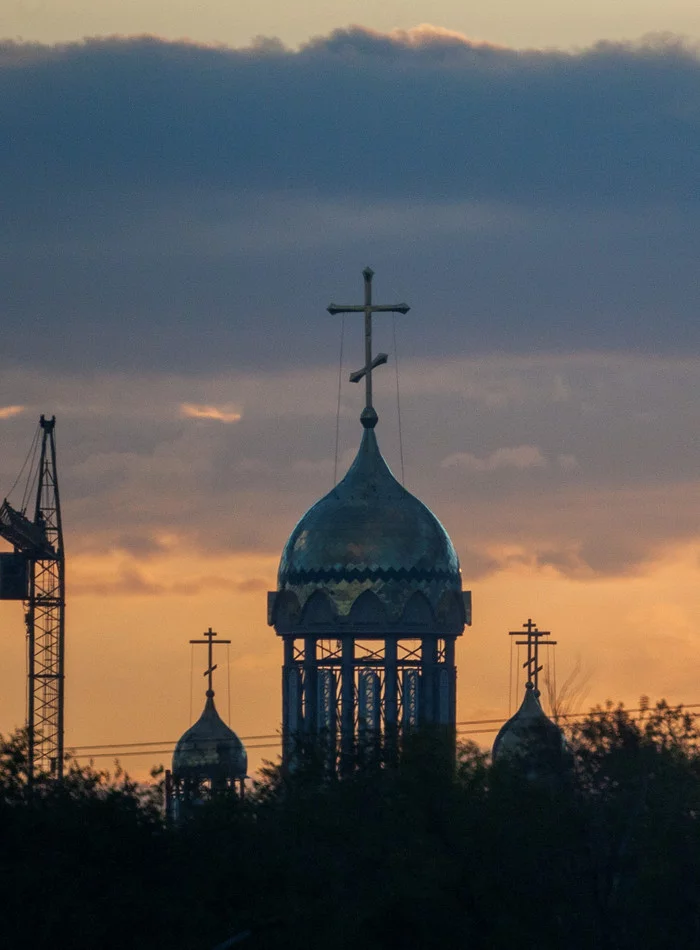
{"x":45,"y":618}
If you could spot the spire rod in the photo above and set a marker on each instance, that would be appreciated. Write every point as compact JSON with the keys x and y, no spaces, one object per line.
{"x":533,"y":651}
{"x":209,"y":641}
{"x":369,"y":416}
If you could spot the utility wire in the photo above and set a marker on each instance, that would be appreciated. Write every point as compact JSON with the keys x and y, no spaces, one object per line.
{"x":398,"y":399}
{"x":169,"y":751}
{"x":337,"y":412}
{"x":275,"y":745}
{"x":496,"y":723}
{"x":170,"y":742}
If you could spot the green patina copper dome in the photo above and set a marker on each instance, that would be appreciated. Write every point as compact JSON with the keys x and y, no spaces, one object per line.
{"x":209,"y":750}
{"x":369,"y":534}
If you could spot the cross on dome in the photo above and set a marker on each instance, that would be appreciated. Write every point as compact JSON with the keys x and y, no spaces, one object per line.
{"x":369,"y":416}
{"x":210,"y":634}
{"x":533,"y":650}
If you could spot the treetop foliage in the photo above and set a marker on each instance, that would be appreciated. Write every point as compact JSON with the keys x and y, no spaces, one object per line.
{"x":423,"y":852}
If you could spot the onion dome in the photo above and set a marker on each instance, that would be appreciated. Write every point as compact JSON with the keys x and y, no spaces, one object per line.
{"x":531,"y":741}
{"x":367,"y":554}
{"x":209,"y":750}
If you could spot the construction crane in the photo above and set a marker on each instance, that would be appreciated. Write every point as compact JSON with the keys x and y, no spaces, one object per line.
{"x":35,"y":574}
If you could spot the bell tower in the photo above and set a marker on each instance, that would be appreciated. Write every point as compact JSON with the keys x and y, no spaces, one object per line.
{"x":368,"y":606}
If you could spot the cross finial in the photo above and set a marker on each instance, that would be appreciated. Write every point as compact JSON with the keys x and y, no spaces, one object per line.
{"x":369,"y":415}
{"x":209,"y":641}
{"x":533,"y":651}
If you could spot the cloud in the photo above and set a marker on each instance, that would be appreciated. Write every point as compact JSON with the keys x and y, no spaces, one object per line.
{"x":619,"y":485}
{"x":426,"y":34}
{"x":200,"y":208}
{"x":568,"y":462}
{"x":190,"y":411}
{"x":7,"y":412}
{"x":128,"y":581}
{"x":206,"y":203}
{"x":122,"y":573}
{"x":520,"y":457}
{"x":614,"y":123}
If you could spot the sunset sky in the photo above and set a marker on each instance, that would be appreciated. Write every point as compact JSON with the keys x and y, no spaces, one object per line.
{"x":179,"y":208}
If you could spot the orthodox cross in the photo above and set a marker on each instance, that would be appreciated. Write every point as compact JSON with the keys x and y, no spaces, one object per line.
{"x":210,"y":634}
{"x":533,"y":650}
{"x":368,"y":308}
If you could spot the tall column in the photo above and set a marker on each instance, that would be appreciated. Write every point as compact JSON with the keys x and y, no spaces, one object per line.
{"x":391,"y":700}
{"x":452,"y":681}
{"x":290,"y":700}
{"x":347,"y":712}
{"x":310,"y":687}
{"x":428,"y":698}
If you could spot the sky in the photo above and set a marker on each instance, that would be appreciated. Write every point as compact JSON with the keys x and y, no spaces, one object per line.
{"x":542,"y":23}
{"x":183,"y":194}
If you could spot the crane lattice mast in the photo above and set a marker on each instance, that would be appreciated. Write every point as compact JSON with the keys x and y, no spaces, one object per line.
{"x":35,"y":573}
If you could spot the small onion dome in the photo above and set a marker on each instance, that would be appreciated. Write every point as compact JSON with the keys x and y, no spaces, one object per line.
{"x":209,"y":750}
{"x":368,"y":536}
{"x":531,"y":740}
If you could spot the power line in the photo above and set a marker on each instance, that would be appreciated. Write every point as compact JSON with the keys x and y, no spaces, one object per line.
{"x":493,"y":725}
{"x":119,"y":754}
{"x":580,"y":715}
{"x":169,"y":742}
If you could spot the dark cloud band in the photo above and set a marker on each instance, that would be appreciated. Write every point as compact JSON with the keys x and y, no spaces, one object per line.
{"x":179,"y":207}
{"x":357,"y":113}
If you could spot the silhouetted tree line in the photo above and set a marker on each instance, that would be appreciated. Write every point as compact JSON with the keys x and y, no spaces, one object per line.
{"x":419,"y":854}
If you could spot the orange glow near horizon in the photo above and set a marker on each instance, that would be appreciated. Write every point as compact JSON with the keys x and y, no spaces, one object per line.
{"x":131,"y":671}
{"x":181,"y":530}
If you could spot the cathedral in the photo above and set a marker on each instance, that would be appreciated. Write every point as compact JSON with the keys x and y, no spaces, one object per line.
{"x":368,"y":607}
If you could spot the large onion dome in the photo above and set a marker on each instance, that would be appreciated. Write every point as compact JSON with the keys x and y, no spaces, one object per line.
{"x":531,"y":741}
{"x":209,"y":751}
{"x":368,"y":554}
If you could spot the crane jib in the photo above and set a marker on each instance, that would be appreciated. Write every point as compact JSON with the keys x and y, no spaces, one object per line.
{"x":26,"y":536}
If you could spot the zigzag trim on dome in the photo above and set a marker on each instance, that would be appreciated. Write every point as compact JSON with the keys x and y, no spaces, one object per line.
{"x":367,"y":574}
